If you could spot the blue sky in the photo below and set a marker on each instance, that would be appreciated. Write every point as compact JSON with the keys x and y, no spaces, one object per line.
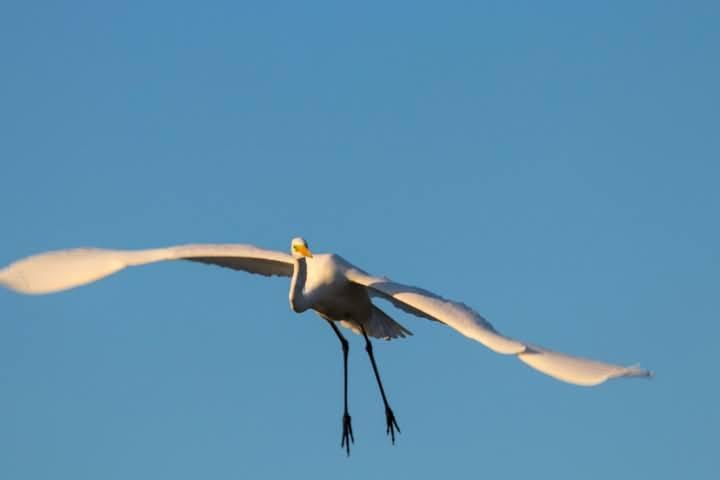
{"x":554,"y":166}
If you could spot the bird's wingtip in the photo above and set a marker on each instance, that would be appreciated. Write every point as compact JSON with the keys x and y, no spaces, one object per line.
{"x":637,"y":371}
{"x":5,"y":280}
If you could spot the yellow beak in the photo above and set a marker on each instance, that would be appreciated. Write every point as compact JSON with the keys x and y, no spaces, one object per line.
{"x":303,"y":250}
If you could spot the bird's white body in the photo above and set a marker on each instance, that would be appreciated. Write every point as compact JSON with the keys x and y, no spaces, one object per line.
{"x":328,"y":292}
{"x":320,"y":283}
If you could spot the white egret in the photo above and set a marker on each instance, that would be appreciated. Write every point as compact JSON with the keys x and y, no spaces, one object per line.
{"x":326,"y":283}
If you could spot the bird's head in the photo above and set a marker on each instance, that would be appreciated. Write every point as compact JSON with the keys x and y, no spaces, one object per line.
{"x":299,"y":248}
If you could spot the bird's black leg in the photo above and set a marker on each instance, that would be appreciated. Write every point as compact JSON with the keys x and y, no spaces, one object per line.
{"x":389,"y":416}
{"x":347,"y":435}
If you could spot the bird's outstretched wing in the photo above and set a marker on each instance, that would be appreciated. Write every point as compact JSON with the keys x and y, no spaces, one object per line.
{"x":64,"y":269}
{"x":568,"y":368}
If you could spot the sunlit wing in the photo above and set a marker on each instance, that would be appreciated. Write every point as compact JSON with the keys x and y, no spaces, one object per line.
{"x":64,"y":269}
{"x":568,"y":368}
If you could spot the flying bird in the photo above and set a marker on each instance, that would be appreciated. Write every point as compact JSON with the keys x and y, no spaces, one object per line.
{"x":335,"y":289}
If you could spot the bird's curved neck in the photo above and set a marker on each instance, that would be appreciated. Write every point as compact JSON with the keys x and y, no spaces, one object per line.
{"x":297,"y":284}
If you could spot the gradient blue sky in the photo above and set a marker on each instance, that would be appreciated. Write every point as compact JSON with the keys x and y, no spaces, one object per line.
{"x":553,"y":165}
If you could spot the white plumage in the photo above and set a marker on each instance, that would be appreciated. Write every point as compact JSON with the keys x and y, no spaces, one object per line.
{"x":326,"y":283}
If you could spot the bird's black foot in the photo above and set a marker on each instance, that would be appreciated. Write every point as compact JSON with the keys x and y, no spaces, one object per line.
{"x":391,"y":424}
{"x":347,"y":435}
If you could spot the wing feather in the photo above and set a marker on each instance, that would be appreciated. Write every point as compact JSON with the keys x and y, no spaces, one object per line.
{"x":380,"y":325}
{"x":64,"y":269}
{"x":568,"y":368}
